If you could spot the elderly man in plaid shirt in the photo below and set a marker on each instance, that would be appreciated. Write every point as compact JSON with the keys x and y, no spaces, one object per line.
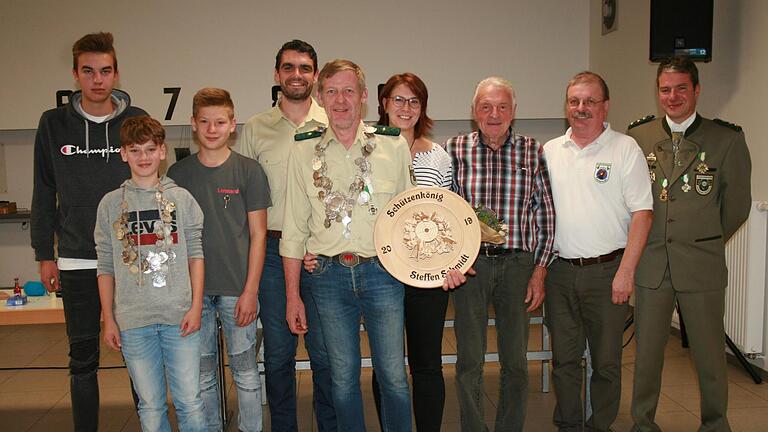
{"x":507,"y":173}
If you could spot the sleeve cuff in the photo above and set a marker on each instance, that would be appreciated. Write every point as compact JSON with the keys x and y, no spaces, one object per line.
{"x":544,"y":259}
{"x":292,"y":249}
{"x":48,"y":256}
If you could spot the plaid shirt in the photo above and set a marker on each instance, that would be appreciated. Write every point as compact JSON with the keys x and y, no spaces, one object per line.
{"x":512,"y":181}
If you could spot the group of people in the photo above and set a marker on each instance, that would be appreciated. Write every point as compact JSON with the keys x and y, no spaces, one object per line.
{"x":281,"y":229}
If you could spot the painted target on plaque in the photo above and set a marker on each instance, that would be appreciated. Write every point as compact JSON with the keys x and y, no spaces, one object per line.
{"x":423,"y":233}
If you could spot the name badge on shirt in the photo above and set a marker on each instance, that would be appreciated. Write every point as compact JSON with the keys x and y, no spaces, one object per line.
{"x":602,"y":172}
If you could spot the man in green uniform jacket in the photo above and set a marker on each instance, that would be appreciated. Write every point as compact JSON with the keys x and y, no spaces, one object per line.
{"x":700,"y":170}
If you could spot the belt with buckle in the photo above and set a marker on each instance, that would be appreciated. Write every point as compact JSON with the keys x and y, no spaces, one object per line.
{"x":595,"y":260}
{"x":350,"y":259}
{"x":494,"y":251}
{"x":274,"y":234}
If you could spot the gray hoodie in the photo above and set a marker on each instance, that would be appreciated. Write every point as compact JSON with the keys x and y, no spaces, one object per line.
{"x":137,"y":301}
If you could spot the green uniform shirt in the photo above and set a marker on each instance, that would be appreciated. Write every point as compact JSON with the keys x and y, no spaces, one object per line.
{"x":268,"y":138}
{"x":303,"y":228}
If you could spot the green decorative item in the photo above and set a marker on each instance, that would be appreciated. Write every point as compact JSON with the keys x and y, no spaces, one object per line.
{"x":492,"y":229}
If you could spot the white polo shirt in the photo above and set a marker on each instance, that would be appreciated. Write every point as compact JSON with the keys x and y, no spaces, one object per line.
{"x":595,"y":190}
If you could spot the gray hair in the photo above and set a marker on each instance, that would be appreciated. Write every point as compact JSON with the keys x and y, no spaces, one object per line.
{"x":498,"y":82}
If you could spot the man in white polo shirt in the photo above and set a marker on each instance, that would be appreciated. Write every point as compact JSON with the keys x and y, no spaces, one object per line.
{"x":603,"y":208}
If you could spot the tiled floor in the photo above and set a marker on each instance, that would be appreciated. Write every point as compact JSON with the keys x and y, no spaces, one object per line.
{"x":38,"y":400}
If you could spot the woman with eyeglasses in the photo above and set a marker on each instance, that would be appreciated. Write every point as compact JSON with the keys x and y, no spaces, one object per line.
{"x":403,"y":104}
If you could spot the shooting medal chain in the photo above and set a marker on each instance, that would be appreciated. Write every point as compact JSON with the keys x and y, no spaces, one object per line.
{"x":154,"y":262}
{"x":338,"y":205}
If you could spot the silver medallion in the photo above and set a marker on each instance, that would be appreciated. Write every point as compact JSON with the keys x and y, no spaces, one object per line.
{"x":158,"y":279}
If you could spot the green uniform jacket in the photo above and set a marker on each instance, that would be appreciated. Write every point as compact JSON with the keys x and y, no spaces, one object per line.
{"x":690,"y":228}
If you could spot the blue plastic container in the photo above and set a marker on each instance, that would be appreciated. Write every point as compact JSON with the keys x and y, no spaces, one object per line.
{"x":34,"y":288}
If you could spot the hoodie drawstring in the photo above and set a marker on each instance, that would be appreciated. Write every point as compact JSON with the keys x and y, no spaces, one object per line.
{"x":106,"y":132}
{"x":87,"y":140}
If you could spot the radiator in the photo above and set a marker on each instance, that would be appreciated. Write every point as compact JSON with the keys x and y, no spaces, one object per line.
{"x":745,"y":255}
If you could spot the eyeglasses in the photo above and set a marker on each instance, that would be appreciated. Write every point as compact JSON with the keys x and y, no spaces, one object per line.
{"x":588,"y":103}
{"x":400,"y":101}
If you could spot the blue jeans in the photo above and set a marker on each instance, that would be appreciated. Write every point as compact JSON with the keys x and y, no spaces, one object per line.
{"x":153,"y":353}
{"x":424,"y":321}
{"x":280,"y":349}
{"x":82,"y":313}
{"x":241,"y":351}
{"x":342,"y":296}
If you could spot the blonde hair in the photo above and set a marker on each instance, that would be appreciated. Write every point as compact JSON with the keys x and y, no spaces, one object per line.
{"x":339,"y":65}
{"x":211,"y":96}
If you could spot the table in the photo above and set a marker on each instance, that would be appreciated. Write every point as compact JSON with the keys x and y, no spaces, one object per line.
{"x":22,"y":216}
{"x":46,"y":309}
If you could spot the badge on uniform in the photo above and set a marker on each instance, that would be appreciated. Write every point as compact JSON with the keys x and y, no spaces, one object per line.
{"x":704,"y":183}
{"x":651,"y":159}
{"x":413,"y":175}
{"x":602,"y":172}
{"x":702,"y":168}
{"x":686,"y":187}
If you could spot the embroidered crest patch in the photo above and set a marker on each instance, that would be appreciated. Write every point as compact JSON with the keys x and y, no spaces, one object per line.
{"x":602,"y":172}
{"x":704,"y":183}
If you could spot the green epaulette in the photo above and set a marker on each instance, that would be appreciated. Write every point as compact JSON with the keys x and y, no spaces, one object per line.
{"x":386,"y":130}
{"x":640,"y":121}
{"x":733,"y":126}
{"x":308,"y":135}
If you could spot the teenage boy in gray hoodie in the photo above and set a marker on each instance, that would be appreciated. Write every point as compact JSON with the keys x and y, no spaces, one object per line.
{"x":150,"y":270}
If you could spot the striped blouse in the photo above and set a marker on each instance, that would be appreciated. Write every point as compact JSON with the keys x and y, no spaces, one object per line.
{"x":433,"y":167}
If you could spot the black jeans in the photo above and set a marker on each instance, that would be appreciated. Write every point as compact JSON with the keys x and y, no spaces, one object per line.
{"x":82,"y":312}
{"x":424,"y":320}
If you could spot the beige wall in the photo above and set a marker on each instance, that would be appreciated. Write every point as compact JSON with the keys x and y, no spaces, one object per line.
{"x":732,"y":85}
{"x":450,"y":44}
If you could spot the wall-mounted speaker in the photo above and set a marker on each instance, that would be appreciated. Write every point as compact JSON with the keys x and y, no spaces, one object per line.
{"x":681,"y":28}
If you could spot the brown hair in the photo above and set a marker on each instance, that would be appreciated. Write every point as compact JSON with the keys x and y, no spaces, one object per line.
{"x":211,"y":96}
{"x":681,"y":64}
{"x":95,"y":42}
{"x":141,"y":129}
{"x":335,"y":66}
{"x":417,"y":86}
{"x":589,"y":77}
